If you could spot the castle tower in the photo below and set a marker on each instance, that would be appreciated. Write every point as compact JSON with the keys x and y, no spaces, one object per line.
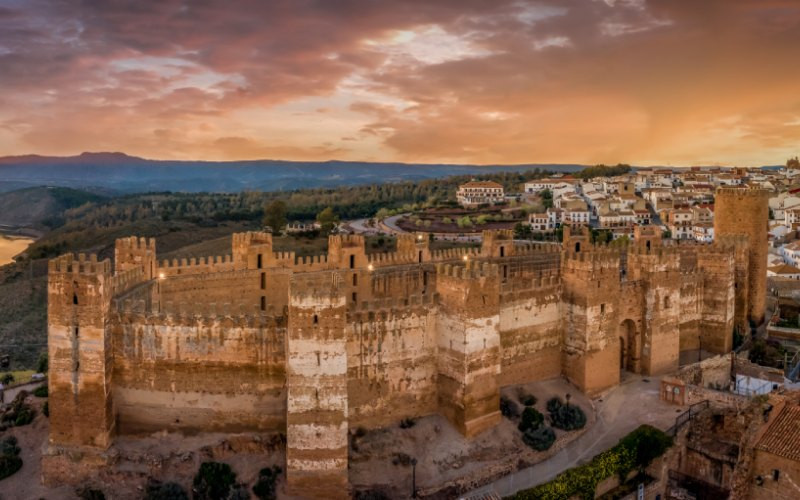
{"x":347,"y":251}
{"x":654,"y":276}
{"x":468,"y":337}
{"x":575,"y":240}
{"x":414,"y":244}
{"x":647,"y":237}
{"x":316,"y":379}
{"x":745,"y":211}
{"x":133,"y":252}
{"x":497,"y":243}
{"x":251,"y":250}
{"x":591,"y":286}
{"x":79,"y":347}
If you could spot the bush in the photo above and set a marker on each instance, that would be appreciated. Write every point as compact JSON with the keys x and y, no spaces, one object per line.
{"x":553,"y":404}
{"x":7,"y":378}
{"x":264,"y":488}
{"x":508,"y":408}
{"x":9,"y":464}
{"x":582,"y":481}
{"x":8,"y":446}
{"x":526,"y":398}
{"x":41,"y":366}
{"x":9,"y":457}
{"x":87,"y":493}
{"x":531,"y":419}
{"x":214,"y":481}
{"x":156,"y":490}
{"x":568,"y":417}
{"x":18,"y":412}
{"x":539,"y":439}
{"x":41,"y":391}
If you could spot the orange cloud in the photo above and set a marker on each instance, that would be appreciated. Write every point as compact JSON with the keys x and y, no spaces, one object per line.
{"x":508,"y":81}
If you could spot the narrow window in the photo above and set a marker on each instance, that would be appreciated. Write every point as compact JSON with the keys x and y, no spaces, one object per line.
{"x":76,"y":332}
{"x":420,"y":256}
{"x":355,"y":297}
{"x":666,"y":302}
{"x":425,"y":278}
{"x":316,"y":319}
{"x":648,"y":245}
{"x":352,"y":262}
{"x":355,"y":279}
{"x":502,"y":251}
{"x":263,"y":303}
{"x":578,"y":247}
{"x":263,"y":281}
{"x":75,"y":298}
{"x":505,"y":272}
{"x":259,"y":261}
{"x":602,"y":308}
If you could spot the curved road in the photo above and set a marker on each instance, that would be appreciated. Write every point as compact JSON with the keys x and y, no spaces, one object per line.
{"x":626,"y":407}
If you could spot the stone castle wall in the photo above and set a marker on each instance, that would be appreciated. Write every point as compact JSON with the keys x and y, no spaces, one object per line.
{"x":266,"y":341}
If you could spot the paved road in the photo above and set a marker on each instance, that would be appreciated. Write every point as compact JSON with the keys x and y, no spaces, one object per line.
{"x":624,"y":408}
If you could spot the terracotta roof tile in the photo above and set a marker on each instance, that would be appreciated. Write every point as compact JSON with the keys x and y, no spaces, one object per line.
{"x":782,"y":438}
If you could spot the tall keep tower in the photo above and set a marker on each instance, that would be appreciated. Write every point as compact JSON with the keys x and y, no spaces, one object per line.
{"x":745,"y":211}
{"x":79,"y":295}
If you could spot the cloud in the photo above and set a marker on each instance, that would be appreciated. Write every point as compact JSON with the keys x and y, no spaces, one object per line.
{"x":455,"y":80}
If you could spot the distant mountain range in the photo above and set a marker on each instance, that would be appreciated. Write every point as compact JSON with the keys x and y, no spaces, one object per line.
{"x":118,"y":172}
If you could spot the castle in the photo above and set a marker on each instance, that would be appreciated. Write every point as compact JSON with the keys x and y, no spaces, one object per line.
{"x":311,"y":347}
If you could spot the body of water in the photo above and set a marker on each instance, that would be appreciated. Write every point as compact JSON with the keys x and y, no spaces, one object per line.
{"x":11,"y":246}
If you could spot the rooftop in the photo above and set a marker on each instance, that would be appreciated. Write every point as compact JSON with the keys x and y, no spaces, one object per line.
{"x":782,"y":437}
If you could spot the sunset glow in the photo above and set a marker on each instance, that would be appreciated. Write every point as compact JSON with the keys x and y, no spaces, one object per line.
{"x":585,"y":81}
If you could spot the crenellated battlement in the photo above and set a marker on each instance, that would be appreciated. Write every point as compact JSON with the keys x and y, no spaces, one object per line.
{"x":469,"y":270}
{"x":392,"y":304}
{"x":196,"y":265}
{"x":455,"y":254}
{"x":134,"y":243}
{"x":251,"y":238}
{"x":756,"y":193}
{"x":69,"y":264}
{"x":346,"y":240}
{"x":125,"y":280}
{"x":391,"y":258}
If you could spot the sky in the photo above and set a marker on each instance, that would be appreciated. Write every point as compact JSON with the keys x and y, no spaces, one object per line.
{"x":658,"y":82}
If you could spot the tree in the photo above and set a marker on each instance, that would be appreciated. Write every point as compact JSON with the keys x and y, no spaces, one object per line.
{"x":547,"y":198}
{"x":327,"y":220}
{"x":522,"y":231}
{"x":214,"y":481}
{"x":275,"y":216}
{"x":41,"y":367}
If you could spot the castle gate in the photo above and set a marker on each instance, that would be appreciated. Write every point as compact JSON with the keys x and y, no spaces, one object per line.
{"x":630,"y":347}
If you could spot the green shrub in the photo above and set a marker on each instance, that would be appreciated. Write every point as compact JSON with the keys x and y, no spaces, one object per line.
{"x":41,"y":366}
{"x":41,"y":391}
{"x":24,"y":416}
{"x":7,"y":378}
{"x":539,"y":439}
{"x":531,"y":419}
{"x":156,"y":490}
{"x":9,"y":464}
{"x":620,"y":460}
{"x":8,"y":446}
{"x":214,"y":481}
{"x":568,"y":417}
{"x":87,"y":493}
{"x":264,"y":488}
{"x":527,"y":399}
{"x":508,"y":408}
{"x":553,"y":404}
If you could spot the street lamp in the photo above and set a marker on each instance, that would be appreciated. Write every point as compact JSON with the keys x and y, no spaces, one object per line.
{"x":413,"y":478}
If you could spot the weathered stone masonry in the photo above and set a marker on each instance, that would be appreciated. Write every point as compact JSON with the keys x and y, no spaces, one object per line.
{"x":264,"y":341}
